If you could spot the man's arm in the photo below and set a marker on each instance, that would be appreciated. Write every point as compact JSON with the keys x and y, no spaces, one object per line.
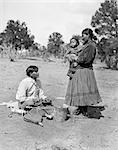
{"x":41,"y":94}
{"x":21,"y":92}
{"x":21,"y":95}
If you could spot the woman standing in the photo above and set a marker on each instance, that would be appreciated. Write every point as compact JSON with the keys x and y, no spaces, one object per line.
{"x":82,"y":89}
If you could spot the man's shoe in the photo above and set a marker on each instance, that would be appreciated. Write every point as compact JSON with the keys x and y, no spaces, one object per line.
{"x":49,"y":116}
{"x":40,"y":123}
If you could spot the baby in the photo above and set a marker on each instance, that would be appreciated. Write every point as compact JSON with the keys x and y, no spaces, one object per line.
{"x":71,"y":54}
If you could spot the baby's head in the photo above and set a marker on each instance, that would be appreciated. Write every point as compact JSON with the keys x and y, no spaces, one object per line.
{"x":32,"y":71}
{"x":74,"y":42}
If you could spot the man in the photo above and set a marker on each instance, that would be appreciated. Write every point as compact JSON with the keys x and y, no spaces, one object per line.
{"x":31,"y":96}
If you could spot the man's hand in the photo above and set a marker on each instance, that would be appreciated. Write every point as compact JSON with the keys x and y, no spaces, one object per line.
{"x":35,"y":100}
{"x":28,"y":103}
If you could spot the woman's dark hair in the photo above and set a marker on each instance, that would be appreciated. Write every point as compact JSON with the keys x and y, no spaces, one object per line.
{"x":31,"y":69}
{"x":90,"y":32}
{"x":76,"y":39}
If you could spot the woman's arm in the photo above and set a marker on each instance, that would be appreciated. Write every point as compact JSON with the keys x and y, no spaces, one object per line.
{"x":87,"y":55}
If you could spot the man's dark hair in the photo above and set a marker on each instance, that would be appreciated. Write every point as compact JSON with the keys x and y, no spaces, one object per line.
{"x":31,"y":69}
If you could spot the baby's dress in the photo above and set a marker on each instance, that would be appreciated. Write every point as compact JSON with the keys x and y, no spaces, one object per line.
{"x":73,"y":64}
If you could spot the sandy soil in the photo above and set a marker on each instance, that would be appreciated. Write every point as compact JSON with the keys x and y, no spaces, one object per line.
{"x":74,"y":134}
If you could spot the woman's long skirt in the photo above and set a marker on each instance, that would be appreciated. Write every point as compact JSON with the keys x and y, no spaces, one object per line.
{"x":82,"y":89}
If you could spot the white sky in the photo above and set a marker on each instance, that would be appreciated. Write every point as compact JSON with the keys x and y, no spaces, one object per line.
{"x":46,"y":16}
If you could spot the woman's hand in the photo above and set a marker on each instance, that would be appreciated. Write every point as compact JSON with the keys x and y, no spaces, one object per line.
{"x":73,"y":57}
{"x":75,"y":64}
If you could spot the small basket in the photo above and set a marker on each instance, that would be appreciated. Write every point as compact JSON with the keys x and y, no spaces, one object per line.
{"x":61,"y":114}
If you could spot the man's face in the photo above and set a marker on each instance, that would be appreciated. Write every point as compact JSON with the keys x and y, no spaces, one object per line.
{"x":34,"y":74}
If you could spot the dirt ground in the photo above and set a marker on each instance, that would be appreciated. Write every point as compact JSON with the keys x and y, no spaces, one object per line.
{"x":74,"y":134}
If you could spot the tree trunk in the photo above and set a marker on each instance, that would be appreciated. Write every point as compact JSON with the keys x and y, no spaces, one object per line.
{"x":107,"y":61}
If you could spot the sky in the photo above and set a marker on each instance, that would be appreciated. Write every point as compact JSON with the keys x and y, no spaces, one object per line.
{"x":44,"y":17}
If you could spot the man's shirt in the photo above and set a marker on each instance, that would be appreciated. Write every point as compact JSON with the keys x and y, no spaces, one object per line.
{"x":29,"y":89}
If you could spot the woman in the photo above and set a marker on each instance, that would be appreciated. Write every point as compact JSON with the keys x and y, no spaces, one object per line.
{"x":82,"y":89}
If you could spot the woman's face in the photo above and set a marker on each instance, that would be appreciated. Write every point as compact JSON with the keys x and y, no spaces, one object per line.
{"x":73,"y":43}
{"x":85,"y":37}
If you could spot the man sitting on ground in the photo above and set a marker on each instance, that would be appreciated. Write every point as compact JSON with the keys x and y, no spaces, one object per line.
{"x":31,"y":96}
